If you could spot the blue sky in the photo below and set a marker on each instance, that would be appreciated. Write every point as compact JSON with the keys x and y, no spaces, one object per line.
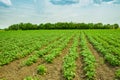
{"x":42,"y":11}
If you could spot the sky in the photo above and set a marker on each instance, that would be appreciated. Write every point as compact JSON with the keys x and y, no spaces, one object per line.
{"x":44,"y":11}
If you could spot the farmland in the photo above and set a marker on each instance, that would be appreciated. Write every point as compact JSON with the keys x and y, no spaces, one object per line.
{"x":60,"y":55}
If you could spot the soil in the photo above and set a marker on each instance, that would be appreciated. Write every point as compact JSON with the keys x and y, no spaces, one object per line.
{"x":54,"y":70}
{"x":103,"y":71}
{"x":14,"y":72}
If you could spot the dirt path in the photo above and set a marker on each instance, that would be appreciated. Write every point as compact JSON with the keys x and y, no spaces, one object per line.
{"x":54,"y":70}
{"x":103,"y":71}
{"x":13,"y":70}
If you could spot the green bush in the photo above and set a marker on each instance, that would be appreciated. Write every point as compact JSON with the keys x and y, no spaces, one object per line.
{"x":117,"y":73}
{"x":30,"y":60}
{"x":41,"y":69}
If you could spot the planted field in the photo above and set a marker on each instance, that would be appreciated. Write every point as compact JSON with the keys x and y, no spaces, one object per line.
{"x":60,"y":55}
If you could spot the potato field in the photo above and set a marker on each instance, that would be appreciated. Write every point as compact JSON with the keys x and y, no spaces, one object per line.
{"x":60,"y":55}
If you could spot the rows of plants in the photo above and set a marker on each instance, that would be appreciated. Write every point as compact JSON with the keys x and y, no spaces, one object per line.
{"x":117,"y":74}
{"x":41,"y":53}
{"x":108,"y":41}
{"x":112,"y":49}
{"x":57,"y":51}
{"x":69,"y":64}
{"x":20,"y":41}
{"x":16,"y":45}
{"x":88,"y":59}
{"x":101,"y":47}
{"x":115,"y":38}
{"x":111,"y":42}
{"x":54,"y":52}
{"x":111,"y":45}
{"x":111,"y":37}
{"x":62,"y":43}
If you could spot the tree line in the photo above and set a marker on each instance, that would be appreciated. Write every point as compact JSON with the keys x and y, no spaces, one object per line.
{"x":61,"y":25}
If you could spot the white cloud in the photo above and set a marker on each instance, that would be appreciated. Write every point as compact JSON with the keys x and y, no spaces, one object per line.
{"x":6,"y":2}
{"x":44,"y":11}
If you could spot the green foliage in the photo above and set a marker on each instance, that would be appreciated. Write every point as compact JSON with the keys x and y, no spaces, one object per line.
{"x":57,"y":51}
{"x":61,"y":25}
{"x":117,"y":73}
{"x":49,"y":58}
{"x":112,"y":60}
{"x":69,"y":65}
{"x":41,"y":69}
{"x":14,"y":47}
{"x":30,"y":60}
{"x":88,"y":58}
{"x":109,"y":49}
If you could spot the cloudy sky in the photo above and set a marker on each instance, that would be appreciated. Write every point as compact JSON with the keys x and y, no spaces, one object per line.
{"x":42,"y":11}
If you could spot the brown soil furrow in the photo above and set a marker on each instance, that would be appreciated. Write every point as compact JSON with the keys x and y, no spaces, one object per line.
{"x":54,"y":70}
{"x":14,"y":71}
{"x":103,"y":71}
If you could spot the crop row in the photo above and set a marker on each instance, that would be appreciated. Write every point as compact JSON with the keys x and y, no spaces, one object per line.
{"x":110,"y":41}
{"x":105,"y":51}
{"x":113,"y":48}
{"x":41,"y":53}
{"x":57,"y":51}
{"x":88,"y":58}
{"x":69,"y":65}
{"x":110,"y":48}
{"x":23,"y":46}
